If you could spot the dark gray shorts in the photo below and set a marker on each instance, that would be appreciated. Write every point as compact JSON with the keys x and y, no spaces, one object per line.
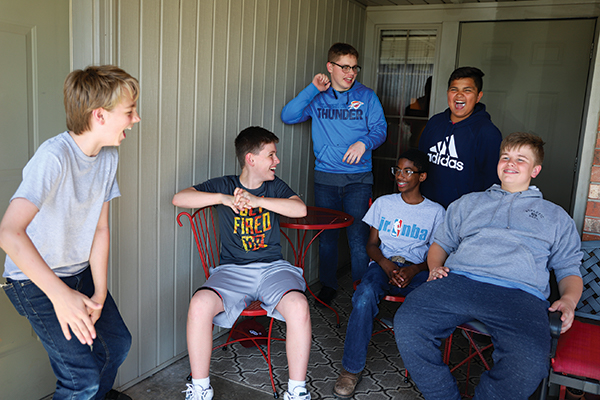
{"x":239,"y":285}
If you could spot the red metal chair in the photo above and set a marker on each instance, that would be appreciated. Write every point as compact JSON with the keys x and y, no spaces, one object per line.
{"x":204,"y":227}
{"x":475,"y":350}
{"x":576,"y":362}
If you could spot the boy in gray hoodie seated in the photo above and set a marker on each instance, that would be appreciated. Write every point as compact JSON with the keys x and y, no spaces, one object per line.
{"x":490,"y":261}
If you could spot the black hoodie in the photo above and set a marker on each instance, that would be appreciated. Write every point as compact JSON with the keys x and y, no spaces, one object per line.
{"x":463,"y":155}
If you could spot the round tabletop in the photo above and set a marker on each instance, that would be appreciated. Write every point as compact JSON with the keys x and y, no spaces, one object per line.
{"x":318,"y":218}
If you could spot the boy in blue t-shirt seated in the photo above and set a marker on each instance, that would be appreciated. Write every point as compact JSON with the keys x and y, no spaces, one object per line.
{"x":402,"y":228}
{"x":491,"y":262}
{"x":252,"y":267}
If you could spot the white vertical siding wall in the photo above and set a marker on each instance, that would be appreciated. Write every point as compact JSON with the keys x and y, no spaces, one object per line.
{"x":207,"y":69}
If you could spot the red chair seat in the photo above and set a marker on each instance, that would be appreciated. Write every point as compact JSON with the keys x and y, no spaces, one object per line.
{"x":577,"y":352}
{"x":255,"y":310}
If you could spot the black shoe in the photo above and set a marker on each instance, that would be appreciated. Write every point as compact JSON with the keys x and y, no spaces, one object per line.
{"x":326,"y":295}
{"x":115,"y":395}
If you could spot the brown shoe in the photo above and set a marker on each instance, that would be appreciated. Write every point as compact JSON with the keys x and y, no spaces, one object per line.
{"x":346,"y":384}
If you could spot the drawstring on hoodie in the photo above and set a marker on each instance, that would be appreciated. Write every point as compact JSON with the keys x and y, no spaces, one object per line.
{"x":512,"y":200}
{"x":510,"y":209}
{"x":336,"y":96}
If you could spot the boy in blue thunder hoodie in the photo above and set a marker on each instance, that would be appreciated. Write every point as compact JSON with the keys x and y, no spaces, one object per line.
{"x":491,"y":261}
{"x":462,"y":142}
{"x":347,"y":124}
{"x":402,"y":229}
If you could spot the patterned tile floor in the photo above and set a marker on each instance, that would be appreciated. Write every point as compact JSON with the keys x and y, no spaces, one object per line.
{"x":383,"y":377}
{"x":241,"y":374}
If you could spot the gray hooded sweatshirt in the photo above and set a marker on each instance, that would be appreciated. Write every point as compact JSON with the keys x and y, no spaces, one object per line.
{"x":510,"y":239}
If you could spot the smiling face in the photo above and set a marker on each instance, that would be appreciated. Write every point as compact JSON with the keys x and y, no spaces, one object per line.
{"x":516,"y":168}
{"x":408,"y":183}
{"x":265,"y":162}
{"x":340,"y":80}
{"x":119,"y":120}
{"x":462,"y":97}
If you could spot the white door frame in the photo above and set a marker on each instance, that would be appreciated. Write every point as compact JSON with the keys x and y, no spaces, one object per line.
{"x":92,"y":28}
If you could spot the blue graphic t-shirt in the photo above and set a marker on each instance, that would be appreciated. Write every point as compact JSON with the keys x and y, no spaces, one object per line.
{"x":252,"y":235}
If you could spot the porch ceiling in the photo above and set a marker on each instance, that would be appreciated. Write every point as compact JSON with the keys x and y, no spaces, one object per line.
{"x":422,"y":2}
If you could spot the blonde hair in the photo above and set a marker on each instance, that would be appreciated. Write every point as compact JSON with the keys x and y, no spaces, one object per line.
{"x":517,"y":140}
{"x":101,"y":86}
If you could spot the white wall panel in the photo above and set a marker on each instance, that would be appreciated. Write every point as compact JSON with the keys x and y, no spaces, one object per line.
{"x":207,"y":69}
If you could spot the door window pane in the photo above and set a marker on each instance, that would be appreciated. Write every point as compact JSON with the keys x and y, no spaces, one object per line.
{"x":404,"y":87}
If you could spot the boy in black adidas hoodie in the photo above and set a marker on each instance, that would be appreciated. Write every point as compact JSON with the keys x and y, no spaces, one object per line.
{"x":462,"y":143}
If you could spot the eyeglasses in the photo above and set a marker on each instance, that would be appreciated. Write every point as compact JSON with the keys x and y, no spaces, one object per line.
{"x":407,"y":173}
{"x":347,"y":68}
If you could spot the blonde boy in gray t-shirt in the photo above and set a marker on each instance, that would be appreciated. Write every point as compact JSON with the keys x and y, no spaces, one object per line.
{"x":56,"y":236}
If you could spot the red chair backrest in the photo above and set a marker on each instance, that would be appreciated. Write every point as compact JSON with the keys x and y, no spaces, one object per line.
{"x":204,"y":227}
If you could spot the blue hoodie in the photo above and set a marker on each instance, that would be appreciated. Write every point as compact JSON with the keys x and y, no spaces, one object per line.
{"x":338,"y":121}
{"x":463,"y":155}
{"x":510,"y":239}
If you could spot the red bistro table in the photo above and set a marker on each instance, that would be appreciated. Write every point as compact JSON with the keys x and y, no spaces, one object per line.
{"x":317,"y":219}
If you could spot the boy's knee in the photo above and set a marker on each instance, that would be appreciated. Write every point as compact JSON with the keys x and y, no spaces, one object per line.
{"x":298,"y":299}
{"x":205,"y":301}
{"x":404,"y":323}
{"x":533,"y":363}
{"x":125,"y":342}
{"x":294,"y":306}
{"x":365,"y":295}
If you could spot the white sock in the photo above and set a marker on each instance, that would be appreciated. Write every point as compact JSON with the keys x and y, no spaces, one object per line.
{"x":203,"y":383}
{"x":294,"y":384}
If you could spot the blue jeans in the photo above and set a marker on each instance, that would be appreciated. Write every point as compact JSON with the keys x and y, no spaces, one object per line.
{"x":354,"y":200}
{"x":373,"y":287}
{"x":82,"y":371}
{"x":517,"y":322}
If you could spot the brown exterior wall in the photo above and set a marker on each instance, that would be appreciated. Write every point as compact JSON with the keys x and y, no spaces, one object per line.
{"x":591,"y":226}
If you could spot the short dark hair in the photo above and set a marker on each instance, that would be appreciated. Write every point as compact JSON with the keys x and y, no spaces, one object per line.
{"x":468,"y":72}
{"x":252,"y":140}
{"x":338,"y":50}
{"x":516,"y":140}
{"x":418,"y":158}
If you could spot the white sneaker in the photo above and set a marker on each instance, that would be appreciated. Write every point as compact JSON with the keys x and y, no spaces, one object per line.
{"x":191,"y":393}
{"x":299,"y":393}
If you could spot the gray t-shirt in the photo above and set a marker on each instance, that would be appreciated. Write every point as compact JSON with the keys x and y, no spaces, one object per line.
{"x":405,"y":230}
{"x":69,"y":189}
